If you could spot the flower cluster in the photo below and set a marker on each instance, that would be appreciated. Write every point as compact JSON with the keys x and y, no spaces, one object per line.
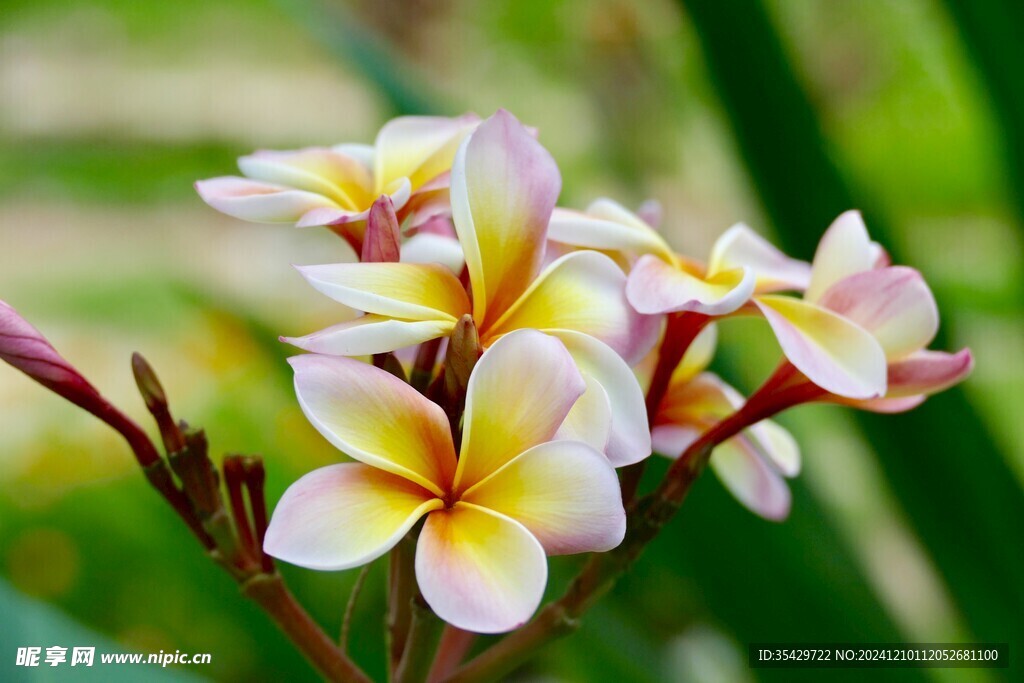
{"x":593,"y":337}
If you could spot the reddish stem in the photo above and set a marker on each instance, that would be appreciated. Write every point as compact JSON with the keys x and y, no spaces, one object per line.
{"x":680,"y":331}
{"x":454,"y":645}
{"x":234,"y":476}
{"x":255,"y":476}
{"x":270,"y":593}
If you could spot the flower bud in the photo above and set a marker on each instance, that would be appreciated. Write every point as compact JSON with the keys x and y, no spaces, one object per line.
{"x":156,"y":402}
{"x":463,"y":352}
{"x":24,"y":347}
{"x":383,"y":238}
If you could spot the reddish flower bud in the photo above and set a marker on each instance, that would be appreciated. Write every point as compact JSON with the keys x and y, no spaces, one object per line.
{"x":24,"y":347}
{"x":383,"y":238}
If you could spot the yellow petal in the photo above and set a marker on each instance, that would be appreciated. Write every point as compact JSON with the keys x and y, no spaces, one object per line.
{"x":739,"y":247}
{"x":410,"y":291}
{"x":582,"y":292}
{"x":566,"y":494}
{"x":835,"y":353}
{"x":503,"y":188}
{"x":418,"y":148}
{"x":315,"y":169}
{"x":519,"y":394}
{"x":658,"y":287}
{"x":376,"y":418}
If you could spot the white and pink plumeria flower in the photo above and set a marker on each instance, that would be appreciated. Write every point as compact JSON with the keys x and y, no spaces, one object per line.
{"x":503,"y":189}
{"x":859,"y":324}
{"x":409,"y":162}
{"x":661,"y":281}
{"x":753,"y":464}
{"x":512,"y":496}
{"x":893,"y":304}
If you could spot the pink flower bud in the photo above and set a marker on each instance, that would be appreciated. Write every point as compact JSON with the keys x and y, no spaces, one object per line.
{"x":24,"y":347}
{"x":383,"y":239}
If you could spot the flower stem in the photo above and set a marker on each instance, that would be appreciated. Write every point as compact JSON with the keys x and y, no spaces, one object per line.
{"x":401,"y":588}
{"x":680,"y":331}
{"x":350,"y":606}
{"x":424,"y":631}
{"x":234,"y":476}
{"x":454,"y":645}
{"x":255,"y":477}
{"x":270,"y":593}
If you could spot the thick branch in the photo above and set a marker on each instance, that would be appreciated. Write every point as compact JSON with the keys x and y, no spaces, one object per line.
{"x":270,"y":593}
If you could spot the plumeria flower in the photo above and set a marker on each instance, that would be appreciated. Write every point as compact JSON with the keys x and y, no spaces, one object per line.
{"x":504,"y":187}
{"x":409,"y":162}
{"x":744,"y":275}
{"x":511,"y":496}
{"x":751,"y":464}
{"x":892,"y":304}
{"x":663,"y":281}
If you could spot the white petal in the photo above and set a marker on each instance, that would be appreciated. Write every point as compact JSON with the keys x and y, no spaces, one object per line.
{"x":478,"y":570}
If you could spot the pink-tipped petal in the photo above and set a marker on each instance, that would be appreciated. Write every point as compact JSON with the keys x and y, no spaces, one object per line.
{"x":894,"y":304}
{"x":836,"y":354}
{"x":628,"y":436}
{"x":343,"y":516}
{"x":478,"y":570}
{"x":519,"y":394}
{"x":651,"y":212}
{"x":504,"y":187}
{"x":928,"y":372}
{"x":749,"y":478}
{"x":259,"y":202}
{"x":371,"y":334}
{"x":583,"y":291}
{"x":886,"y":406}
{"x":655,"y":286}
{"x":346,"y":399}
{"x":410,"y":291}
{"x":844,"y":249}
{"x":740,"y":246}
{"x":382,"y":240}
{"x":564,"y":492}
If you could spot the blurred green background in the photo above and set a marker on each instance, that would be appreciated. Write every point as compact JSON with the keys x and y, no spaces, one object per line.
{"x":778,"y":113}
